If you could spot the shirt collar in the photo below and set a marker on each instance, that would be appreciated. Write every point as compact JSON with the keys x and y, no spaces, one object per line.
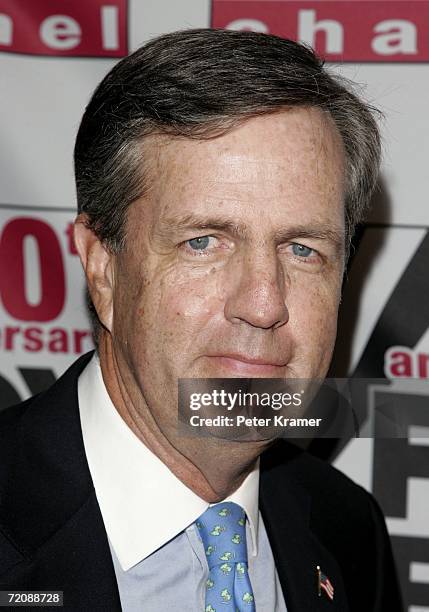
{"x":134,"y":488}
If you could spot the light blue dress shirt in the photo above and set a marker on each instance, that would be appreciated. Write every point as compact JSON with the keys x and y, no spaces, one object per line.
{"x":174,"y":577}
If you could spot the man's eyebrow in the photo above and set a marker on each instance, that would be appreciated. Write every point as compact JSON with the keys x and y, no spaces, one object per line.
{"x":318,"y":231}
{"x":194,"y":222}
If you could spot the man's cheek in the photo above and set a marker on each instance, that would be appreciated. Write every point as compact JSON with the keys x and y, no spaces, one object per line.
{"x":190,"y":301}
{"x":314,"y":315}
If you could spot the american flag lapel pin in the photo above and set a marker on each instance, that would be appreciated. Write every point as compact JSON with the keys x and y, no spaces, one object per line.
{"x":323,"y":583}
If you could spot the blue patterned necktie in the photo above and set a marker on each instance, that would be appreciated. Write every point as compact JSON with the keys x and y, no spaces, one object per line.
{"x":223,"y":531}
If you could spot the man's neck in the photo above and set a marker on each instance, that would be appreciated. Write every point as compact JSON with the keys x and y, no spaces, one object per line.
{"x":210,"y":467}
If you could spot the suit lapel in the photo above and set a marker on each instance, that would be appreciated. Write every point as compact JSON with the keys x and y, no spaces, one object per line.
{"x":61,"y":535}
{"x":285,"y":508}
{"x":77,"y":561}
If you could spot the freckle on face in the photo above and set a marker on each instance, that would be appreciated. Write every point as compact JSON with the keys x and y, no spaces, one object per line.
{"x":270,"y":173}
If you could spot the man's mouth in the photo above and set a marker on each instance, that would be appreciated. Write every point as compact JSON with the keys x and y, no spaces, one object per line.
{"x":247,"y":366}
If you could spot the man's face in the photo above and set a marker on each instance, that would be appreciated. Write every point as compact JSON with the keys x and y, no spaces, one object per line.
{"x":234,"y":258}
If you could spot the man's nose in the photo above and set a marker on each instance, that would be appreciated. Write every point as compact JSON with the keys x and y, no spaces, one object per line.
{"x":257,"y":293}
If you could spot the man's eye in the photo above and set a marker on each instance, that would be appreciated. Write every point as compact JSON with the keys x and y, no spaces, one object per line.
{"x":200,"y":243}
{"x":300,"y":250}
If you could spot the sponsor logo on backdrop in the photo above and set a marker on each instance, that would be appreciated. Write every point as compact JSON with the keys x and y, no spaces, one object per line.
{"x":34,"y":287}
{"x":42,"y":301}
{"x":400,"y":482}
{"x":403,"y":362}
{"x":341,"y":30}
{"x":396,"y":350}
{"x":68,"y":28}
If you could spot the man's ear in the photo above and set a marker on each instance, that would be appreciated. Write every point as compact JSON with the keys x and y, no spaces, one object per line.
{"x":97,"y":262}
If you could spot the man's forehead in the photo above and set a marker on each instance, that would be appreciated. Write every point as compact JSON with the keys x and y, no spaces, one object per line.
{"x":269,"y":161}
{"x":264,"y":143}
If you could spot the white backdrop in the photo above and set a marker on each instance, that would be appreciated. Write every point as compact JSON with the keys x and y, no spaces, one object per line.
{"x":52,"y":54}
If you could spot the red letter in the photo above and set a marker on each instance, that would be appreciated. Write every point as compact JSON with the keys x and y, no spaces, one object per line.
{"x":33,"y":340}
{"x":78,"y":337}
{"x":59,"y":342}
{"x":401,"y":364}
{"x":424,"y":365}
{"x":10,"y":333}
{"x":12,"y":276}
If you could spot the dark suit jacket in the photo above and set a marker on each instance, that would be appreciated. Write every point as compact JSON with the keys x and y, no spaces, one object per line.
{"x":52,"y":534}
